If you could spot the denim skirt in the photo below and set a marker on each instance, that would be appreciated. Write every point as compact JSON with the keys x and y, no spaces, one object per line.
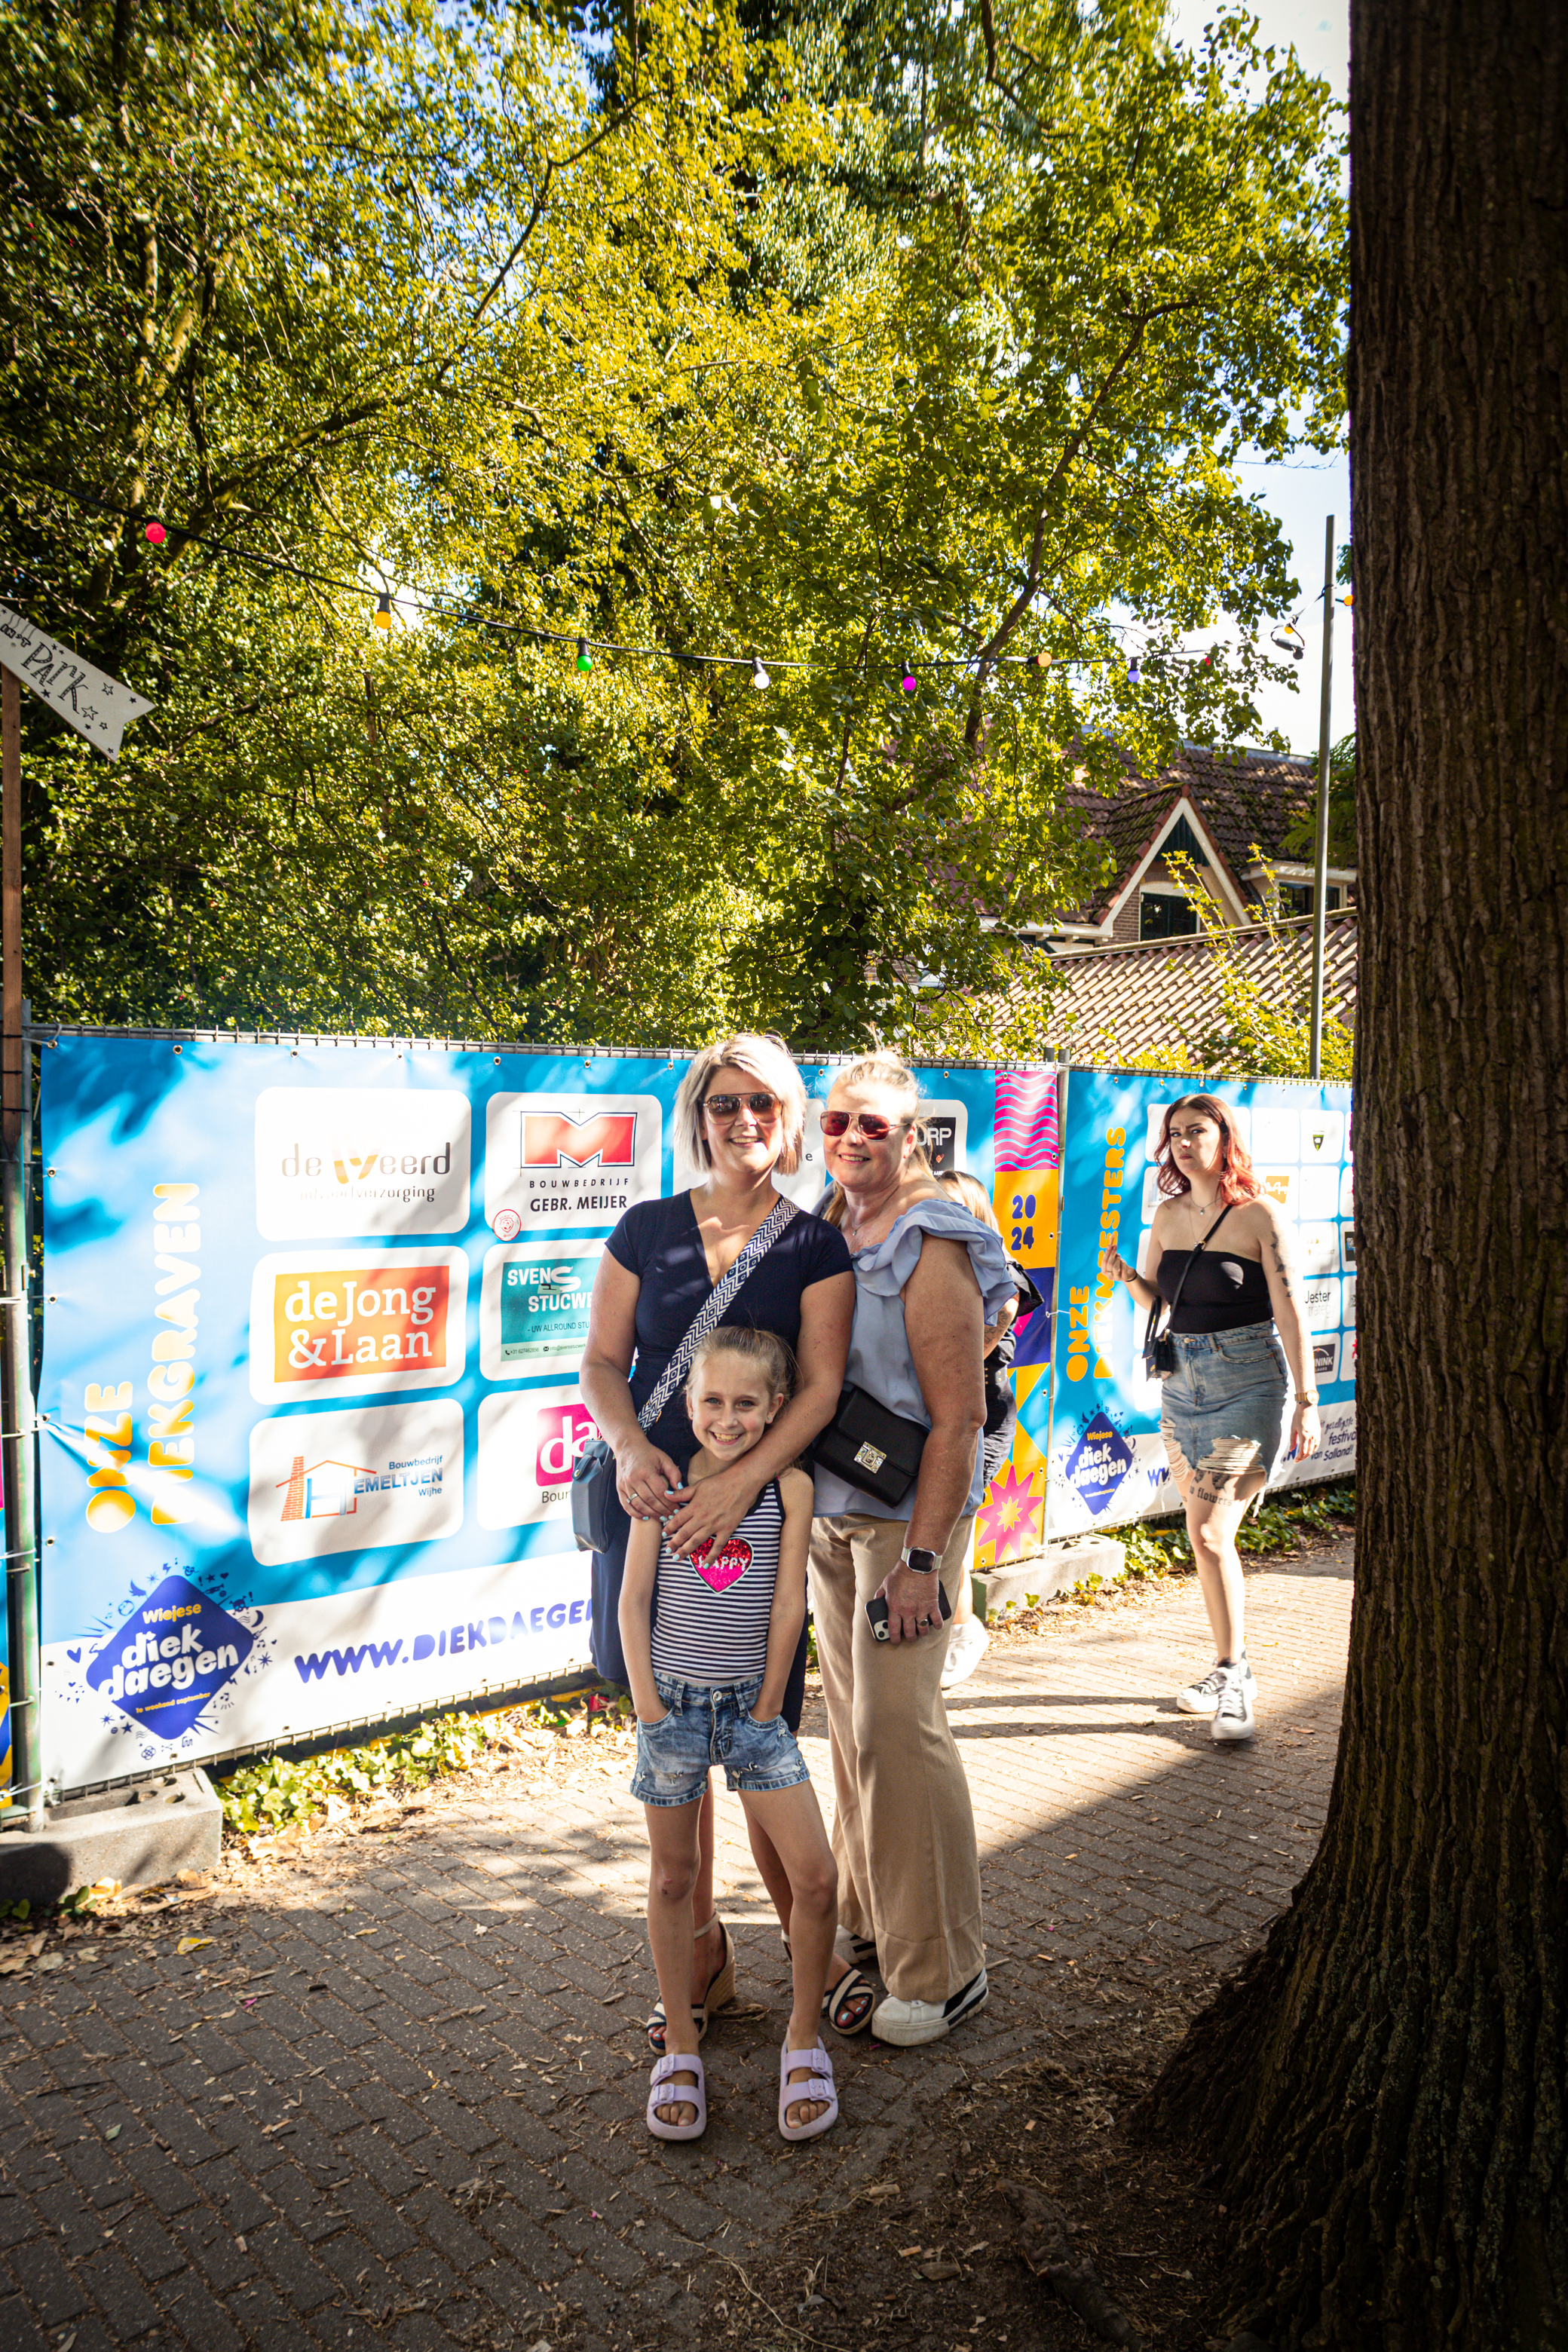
{"x":1224,"y":1405}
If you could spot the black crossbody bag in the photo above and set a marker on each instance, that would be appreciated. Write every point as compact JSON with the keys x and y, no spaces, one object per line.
{"x":1158,"y":1348}
{"x":868,"y":1445}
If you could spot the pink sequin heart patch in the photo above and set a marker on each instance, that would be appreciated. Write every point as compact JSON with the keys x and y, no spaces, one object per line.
{"x":732,"y":1563}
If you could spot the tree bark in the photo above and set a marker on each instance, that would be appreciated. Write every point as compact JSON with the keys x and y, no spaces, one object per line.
{"x":1383,"y":2085}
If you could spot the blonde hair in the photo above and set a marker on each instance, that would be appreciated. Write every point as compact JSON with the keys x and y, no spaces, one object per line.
{"x":973,"y":1193}
{"x":762,"y":1348}
{"x":882,"y":1068}
{"x":765,"y":1058}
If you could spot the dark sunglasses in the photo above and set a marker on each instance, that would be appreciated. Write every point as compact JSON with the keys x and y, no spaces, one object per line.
{"x":871,"y":1124}
{"x":728,"y":1105}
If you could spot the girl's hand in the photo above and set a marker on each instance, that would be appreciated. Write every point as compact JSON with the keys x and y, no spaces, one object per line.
{"x":710,"y":1512}
{"x":1113,"y":1267}
{"x":645,"y":1477}
{"x":651,"y":1721}
{"x":1306,"y":1432}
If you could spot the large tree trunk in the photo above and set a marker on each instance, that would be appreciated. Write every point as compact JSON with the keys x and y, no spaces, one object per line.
{"x":1384,"y":2085}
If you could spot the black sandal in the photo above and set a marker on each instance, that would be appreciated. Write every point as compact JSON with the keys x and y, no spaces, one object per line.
{"x":848,"y":2004}
{"x":839,"y":2000}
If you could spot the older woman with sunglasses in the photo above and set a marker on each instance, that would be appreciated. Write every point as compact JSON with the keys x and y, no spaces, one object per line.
{"x":739,"y":1116}
{"x":929,"y":1277}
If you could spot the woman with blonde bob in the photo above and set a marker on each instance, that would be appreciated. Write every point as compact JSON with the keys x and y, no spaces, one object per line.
{"x":739,"y":1116}
{"x":930,"y":1277}
{"x":1224,"y":1404}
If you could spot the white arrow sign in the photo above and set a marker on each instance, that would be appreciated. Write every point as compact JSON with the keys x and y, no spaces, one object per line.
{"x":97,"y":706}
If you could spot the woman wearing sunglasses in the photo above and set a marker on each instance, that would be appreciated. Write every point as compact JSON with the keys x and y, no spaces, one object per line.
{"x":739,"y":1116}
{"x":929,"y":1278}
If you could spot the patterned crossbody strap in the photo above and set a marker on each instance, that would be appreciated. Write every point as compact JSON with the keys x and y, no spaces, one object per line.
{"x":713,"y":1309}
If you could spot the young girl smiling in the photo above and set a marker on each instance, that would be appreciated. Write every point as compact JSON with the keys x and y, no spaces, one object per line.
{"x":709,"y":1641}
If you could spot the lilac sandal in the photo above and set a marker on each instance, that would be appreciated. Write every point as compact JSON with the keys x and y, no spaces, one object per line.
{"x":678,"y":2094}
{"x":819,"y":2084}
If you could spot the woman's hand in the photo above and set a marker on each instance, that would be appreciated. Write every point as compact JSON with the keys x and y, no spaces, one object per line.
{"x":1306,"y":1432}
{"x":1113,"y":1267}
{"x":646,"y":1479}
{"x":650,"y":1721}
{"x":713,"y":1510}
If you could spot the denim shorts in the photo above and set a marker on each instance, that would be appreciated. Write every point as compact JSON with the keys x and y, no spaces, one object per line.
{"x":707,"y":1725}
{"x":1225,"y":1400}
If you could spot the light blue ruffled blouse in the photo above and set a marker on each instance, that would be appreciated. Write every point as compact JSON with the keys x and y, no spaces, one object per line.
{"x":879,"y":1361}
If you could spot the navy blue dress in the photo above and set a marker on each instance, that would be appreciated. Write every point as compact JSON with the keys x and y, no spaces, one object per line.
{"x":659,"y":1242}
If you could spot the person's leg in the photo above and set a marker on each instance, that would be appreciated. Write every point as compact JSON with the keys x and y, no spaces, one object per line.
{"x":1216,"y":1502}
{"x":914,"y":1818}
{"x":707,"y":1936}
{"x":791,"y":1821}
{"x":771,"y":1868}
{"x":834,"y":1607}
{"x":672,"y":1836}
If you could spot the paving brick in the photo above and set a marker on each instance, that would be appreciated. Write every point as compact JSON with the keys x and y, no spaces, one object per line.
{"x":119,"y":2295}
{"x":51,"y":2289}
{"x":19,"y":2331}
{"x":287,"y":2262}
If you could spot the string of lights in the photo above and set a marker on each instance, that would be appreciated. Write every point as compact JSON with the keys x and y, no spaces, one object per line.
{"x":460,"y":613}
{"x":585,"y":648}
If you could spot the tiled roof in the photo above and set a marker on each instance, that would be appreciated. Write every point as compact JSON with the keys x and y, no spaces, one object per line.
{"x":1248,"y":801}
{"x":1116,"y":1004}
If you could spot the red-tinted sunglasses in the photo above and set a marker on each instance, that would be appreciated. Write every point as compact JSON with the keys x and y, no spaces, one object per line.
{"x":871,"y":1124}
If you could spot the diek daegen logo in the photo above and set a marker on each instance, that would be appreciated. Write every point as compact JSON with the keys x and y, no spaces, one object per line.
{"x":556,"y":1139}
{"x":175,"y":1652}
{"x":1099,"y":1463}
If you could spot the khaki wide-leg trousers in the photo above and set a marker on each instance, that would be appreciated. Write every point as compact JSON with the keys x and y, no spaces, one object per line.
{"x":903,"y":1829}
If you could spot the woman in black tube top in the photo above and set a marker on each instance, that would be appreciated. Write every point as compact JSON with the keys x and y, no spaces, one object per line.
{"x":1225,"y":1402}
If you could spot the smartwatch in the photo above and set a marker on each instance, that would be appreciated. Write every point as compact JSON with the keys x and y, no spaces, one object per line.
{"x":920,"y":1563}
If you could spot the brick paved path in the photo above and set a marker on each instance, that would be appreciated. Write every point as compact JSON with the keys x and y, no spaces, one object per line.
{"x":397,"y":2099}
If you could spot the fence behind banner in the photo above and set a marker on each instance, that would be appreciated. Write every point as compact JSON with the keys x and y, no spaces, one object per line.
{"x":314,"y":1313}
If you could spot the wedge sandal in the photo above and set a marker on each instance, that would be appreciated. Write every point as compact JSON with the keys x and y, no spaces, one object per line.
{"x":721,"y":1992}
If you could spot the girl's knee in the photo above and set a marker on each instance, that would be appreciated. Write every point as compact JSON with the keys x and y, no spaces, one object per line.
{"x":815,"y":1887}
{"x":672,"y":1882}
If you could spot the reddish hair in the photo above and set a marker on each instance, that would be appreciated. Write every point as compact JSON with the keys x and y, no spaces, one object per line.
{"x":1237,"y":1181}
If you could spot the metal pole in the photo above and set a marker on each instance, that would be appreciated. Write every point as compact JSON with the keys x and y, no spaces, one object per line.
{"x":17,"y":1431}
{"x":1321,"y":872}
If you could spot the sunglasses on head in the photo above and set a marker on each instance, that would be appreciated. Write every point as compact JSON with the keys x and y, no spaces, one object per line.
{"x":871,"y":1124}
{"x":728,"y":1105}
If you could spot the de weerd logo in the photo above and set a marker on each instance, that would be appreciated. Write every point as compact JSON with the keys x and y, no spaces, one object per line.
{"x":556,"y":1138}
{"x":177,"y":1651}
{"x":361,"y":1159}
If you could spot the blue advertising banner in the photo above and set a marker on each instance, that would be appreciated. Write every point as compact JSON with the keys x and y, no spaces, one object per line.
{"x":1107,"y":1462}
{"x":313,"y":1316}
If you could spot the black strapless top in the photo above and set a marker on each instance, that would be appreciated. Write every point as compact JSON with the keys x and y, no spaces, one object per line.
{"x":1222,"y":1293}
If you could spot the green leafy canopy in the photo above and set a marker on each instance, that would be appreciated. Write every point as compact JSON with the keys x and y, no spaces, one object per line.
{"x":851,"y":339}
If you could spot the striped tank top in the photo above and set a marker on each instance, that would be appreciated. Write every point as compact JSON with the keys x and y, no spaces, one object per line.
{"x":710,"y":1614}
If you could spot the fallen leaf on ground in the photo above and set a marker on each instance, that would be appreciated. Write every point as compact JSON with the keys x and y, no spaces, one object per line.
{"x":192,"y":1943}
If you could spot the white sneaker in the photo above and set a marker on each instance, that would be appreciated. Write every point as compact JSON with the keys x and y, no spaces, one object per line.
{"x":1233,"y":1716}
{"x":910,"y":2023}
{"x":1203,"y":1698}
{"x":965,"y":1648}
